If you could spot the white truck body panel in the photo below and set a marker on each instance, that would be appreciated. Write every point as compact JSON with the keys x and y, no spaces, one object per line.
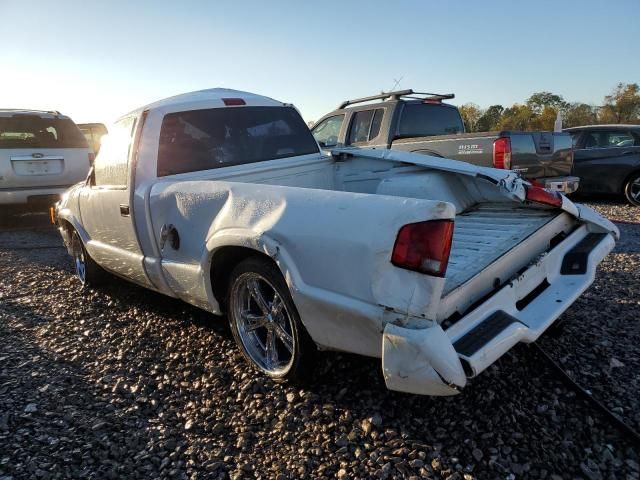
{"x":329,"y":223}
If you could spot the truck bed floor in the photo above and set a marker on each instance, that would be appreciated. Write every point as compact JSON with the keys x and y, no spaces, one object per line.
{"x":485,"y":233}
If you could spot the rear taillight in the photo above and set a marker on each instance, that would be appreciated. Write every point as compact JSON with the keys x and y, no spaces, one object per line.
{"x":424,"y":247}
{"x":502,"y":153}
{"x":92,"y":157}
{"x":544,"y":196}
{"x":233,"y":101}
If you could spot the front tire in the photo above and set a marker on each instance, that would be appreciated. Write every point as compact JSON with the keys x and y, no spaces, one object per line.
{"x":632,"y":190}
{"x":265,"y":322}
{"x":88,"y":272}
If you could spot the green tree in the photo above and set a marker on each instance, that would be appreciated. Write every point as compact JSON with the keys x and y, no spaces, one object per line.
{"x":516,"y":117}
{"x":470,"y":113}
{"x":490,"y":118}
{"x":622,"y":106}
{"x":578,"y":114}
{"x":541,"y":100}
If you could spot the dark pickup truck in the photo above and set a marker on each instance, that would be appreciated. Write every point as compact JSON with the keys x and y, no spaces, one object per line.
{"x":422,"y":123}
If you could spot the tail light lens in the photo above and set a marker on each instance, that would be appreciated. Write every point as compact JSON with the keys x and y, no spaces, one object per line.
{"x":544,"y":196}
{"x":424,"y":247}
{"x":92,"y":157}
{"x":502,"y":153}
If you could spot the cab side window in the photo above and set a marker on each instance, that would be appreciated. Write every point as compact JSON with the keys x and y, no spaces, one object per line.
{"x":609,"y":139}
{"x":111,"y":164}
{"x":326,"y":132}
{"x":365,"y":125}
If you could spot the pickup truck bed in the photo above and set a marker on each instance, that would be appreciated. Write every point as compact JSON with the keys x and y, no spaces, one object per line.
{"x":485,"y":233}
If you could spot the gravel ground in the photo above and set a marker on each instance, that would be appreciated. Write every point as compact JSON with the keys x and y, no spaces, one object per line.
{"x":125,"y":383}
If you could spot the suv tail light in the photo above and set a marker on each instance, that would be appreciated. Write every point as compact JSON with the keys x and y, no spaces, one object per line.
{"x":424,"y":247}
{"x":502,"y":153}
{"x":544,"y":196}
{"x":92,"y":157}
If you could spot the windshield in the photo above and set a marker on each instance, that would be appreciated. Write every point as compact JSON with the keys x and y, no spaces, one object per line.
{"x":424,"y":119}
{"x":34,"y":131}
{"x":218,"y":137}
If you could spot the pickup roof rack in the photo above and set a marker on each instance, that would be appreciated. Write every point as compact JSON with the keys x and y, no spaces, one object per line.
{"x":397,"y":94}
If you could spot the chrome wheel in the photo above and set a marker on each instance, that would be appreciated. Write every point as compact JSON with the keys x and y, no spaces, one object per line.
{"x":78,"y":258}
{"x":264,"y":323}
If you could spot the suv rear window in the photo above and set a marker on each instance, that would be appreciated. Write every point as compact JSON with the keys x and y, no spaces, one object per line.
{"x":219,"y":137}
{"x":34,"y":131}
{"x":425,"y":119}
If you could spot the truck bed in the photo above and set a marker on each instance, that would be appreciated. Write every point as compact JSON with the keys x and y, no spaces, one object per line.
{"x":485,"y":233}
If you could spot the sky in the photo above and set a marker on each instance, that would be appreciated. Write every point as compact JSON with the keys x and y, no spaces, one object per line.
{"x":97,"y":60}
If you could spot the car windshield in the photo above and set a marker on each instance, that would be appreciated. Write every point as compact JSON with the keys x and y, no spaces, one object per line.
{"x":218,"y":137}
{"x":34,"y":131}
{"x":425,"y":119}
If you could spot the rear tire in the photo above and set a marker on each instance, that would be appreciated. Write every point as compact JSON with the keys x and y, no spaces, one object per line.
{"x":266,"y":324}
{"x":632,"y":190}
{"x":88,"y":272}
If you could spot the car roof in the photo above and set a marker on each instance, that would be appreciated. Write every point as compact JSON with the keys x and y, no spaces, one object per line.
{"x":597,"y":127}
{"x":208,"y":95}
{"x":10,"y":112}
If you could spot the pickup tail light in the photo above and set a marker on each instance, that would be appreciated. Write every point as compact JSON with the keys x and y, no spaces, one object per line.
{"x":502,"y":153}
{"x":424,"y":247}
{"x":544,"y":196}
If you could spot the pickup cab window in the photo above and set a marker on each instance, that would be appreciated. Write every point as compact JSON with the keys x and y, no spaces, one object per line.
{"x":327,"y":131}
{"x":426,"y":119}
{"x":111,"y":164}
{"x":365,"y":125}
{"x":219,"y":137}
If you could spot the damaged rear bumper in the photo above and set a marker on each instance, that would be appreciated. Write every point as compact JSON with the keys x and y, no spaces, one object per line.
{"x":434,"y":361}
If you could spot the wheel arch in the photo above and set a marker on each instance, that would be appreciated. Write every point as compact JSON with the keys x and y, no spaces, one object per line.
{"x":630,"y":175}
{"x":223,"y":261}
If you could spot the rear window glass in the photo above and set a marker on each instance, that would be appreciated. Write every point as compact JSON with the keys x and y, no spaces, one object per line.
{"x":424,"y":119}
{"x":33,"y":131}
{"x":204,"y":139}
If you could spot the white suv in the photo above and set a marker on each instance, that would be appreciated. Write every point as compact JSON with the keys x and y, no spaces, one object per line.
{"x":41,"y":155}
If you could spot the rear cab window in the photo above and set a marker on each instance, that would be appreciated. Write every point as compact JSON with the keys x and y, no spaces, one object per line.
{"x":197,"y":140}
{"x":365,"y":126}
{"x":26,"y":130}
{"x":427,"y":119}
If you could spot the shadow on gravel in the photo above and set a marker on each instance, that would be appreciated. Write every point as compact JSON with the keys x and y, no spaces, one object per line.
{"x":57,"y":421}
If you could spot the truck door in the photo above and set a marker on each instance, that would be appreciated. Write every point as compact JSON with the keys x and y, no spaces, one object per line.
{"x":105,"y":206}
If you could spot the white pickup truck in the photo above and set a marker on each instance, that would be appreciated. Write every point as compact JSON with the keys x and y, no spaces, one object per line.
{"x":223,"y":199}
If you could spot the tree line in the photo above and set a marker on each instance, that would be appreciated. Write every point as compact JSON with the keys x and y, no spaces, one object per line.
{"x":540,"y":111}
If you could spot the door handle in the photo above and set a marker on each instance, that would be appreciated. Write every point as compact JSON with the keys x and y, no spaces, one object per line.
{"x":124,"y":210}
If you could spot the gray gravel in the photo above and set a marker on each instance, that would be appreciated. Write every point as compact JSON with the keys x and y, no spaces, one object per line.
{"x":125,"y":383}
